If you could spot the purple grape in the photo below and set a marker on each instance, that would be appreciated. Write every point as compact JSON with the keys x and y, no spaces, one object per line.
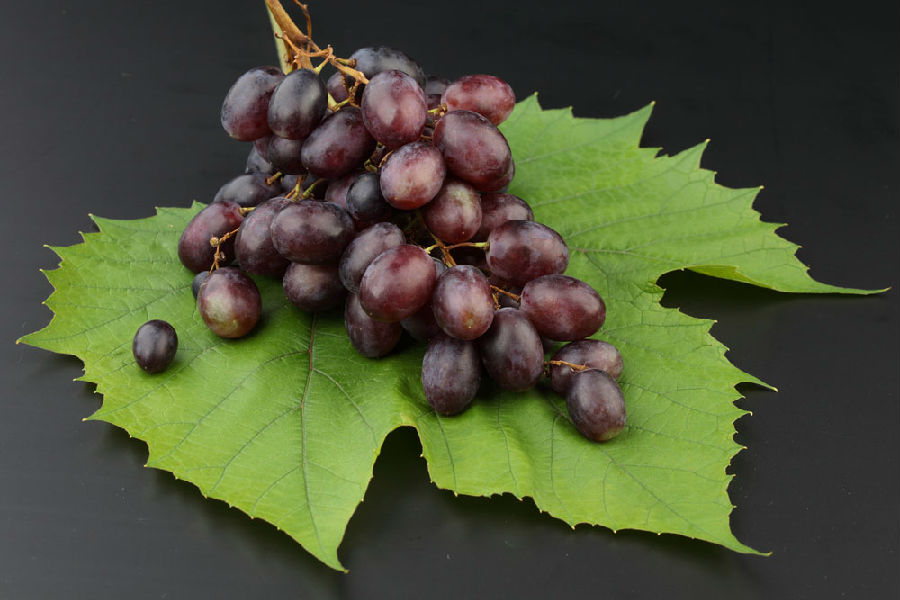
{"x":370,"y":337}
{"x":474,"y":150}
{"x":397,"y":283}
{"x":297,"y":105}
{"x":337,"y":190}
{"x":511,"y":351}
{"x":217,"y":219}
{"x":247,"y":190}
{"x":312,"y":232}
{"x":154,"y":346}
{"x":337,"y":88}
{"x":462,"y":302}
{"x":485,"y":94}
{"x":229,"y":302}
{"x":257,"y":163}
{"x":262,"y":146}
{"x":563,"y":308}
{"x":412,"y":175}
{"x":253,"y":244}
{"x":364,"y":249}
{"x":454,"y":215}
{"x":421,"y":325}
{"x":247,"y":103}
{"x":313,"y":287}
{"x":596,"y":405}
{"x":365,"y":202}
{"x":591,"y":353}
{"x":393,"y":108}
{"x":338,"y":146}
{"x":451,"y":374}
{"x":520,"y":251}
{"x":374,"y":60}
{"x":498,"y":208}
{"x":285,"y":155}
{"x":198,"y":280}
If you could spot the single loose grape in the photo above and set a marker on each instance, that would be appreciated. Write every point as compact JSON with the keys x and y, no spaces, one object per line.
{"x":154,"y":346}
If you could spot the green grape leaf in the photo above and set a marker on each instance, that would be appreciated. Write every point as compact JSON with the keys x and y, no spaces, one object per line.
{"x":286,"y":424}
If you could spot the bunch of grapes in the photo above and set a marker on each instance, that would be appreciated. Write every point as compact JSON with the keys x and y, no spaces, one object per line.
{"x":385,"y":190}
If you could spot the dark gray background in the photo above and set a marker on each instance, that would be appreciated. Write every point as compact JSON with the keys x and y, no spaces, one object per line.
{"x":112,"y":108}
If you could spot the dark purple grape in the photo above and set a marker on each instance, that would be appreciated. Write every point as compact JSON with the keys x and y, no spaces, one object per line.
{"x":247,"y":190}
{"x":247,"y":103}
{"x":257,"y":163}
{"x":485,"y":94}
{"x":563,"y":308}
{"x":498,"y":208}
{"x":511,"y":351}
{"x":397,"y":283}
{"x":312,"y":232}
{"x":520,"y":251}
{"x":436,"y":85}
{"x":337,"y":190}
{"x":337,"y":87}
{"x":364,"y":249}
{"x":154,"y":346}
{"x":339,"y":145}
{"x":451,"y":374}
{"x":262,"y":146}
{"x":421,"y":324}
{"x":217,"y":219}
{"x":393,"y":108}
{"x":229,"y":302}
{"x":297,"y":104}
{"x":313,"y":287}
{"x":374,"y":60}
{"x":596,"y":405}
{"x":412,"y":175}
{"x":285,"y":155}
{"x":198,"y":280}
{"x":454,"y":215}
{"x":462,"y":302}
{"x":474,"y":150}
{"x":591,"y":353}
{"x":365,"y":202}
{"x":370,"y":337}
{"x":253,"y":245}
